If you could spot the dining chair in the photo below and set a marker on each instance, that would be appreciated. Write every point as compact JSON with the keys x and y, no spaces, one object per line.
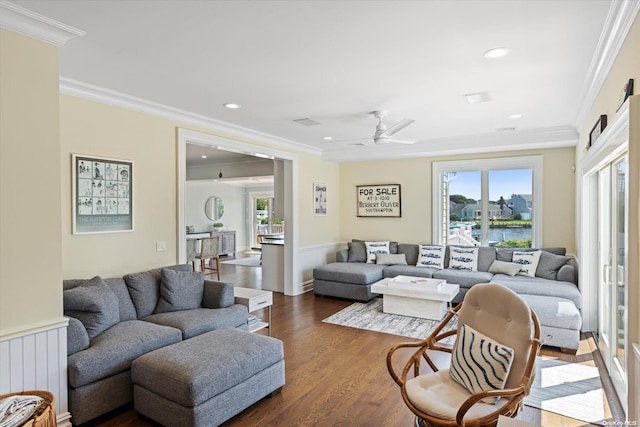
{"x":209,"y":251}
{"x":192,"y":251}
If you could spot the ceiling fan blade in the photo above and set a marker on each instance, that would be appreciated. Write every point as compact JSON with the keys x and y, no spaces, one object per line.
{"x":401,"y":141}
{"x":356,"y":141}
{"x":397,"y":127}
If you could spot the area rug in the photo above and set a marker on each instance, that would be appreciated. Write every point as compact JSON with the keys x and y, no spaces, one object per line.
{"x":370,"y":316}
{"x":253,"y":261}
{"x":569,"y":389}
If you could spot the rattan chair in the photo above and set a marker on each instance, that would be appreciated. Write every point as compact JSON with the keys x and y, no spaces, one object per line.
{"x":434,"y":397}
{"x":209,"y":251}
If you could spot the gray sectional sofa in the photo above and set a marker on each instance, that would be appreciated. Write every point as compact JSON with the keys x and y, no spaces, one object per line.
{"x":553,"y":292}
{"x":114,"y":321}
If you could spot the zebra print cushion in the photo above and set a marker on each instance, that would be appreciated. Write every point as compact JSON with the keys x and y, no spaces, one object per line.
{"x":479,"y":363}
{"x":431,"y":256}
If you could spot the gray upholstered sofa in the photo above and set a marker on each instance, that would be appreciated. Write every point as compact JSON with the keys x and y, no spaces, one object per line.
{"x":553,"y":293}
{"x":114,"y":321}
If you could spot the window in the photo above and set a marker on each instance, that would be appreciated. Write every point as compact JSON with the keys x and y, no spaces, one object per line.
{"x":489,"y":202}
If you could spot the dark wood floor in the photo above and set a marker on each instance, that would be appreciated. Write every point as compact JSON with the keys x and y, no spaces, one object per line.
{"x":337,"y":376}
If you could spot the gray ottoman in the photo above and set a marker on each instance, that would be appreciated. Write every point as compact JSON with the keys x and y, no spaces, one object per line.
{"x":207,"y":379}
{"x":560,"y":321}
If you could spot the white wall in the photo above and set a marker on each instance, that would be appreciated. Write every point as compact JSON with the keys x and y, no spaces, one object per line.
{"x":233,"y":197}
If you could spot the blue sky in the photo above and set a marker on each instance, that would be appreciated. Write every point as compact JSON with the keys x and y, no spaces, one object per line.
{"x":501,"y":183}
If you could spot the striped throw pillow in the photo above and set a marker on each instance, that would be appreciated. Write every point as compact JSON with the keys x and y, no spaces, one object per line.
{"x":479,"y":363}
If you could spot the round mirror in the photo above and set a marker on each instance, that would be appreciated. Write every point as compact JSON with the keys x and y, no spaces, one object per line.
{"x":214,"y":208}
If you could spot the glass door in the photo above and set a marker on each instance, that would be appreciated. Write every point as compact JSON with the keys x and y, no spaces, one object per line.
{"x":612,"y":251}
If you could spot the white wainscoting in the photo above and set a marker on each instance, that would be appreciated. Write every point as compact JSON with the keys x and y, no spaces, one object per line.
{"x":312,"y":257}
{"x":36,"y":359}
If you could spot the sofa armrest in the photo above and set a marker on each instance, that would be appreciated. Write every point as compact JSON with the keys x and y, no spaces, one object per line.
{"x":217,"y":294}
{"x":77,"y":336}
{"x":342,"y":256}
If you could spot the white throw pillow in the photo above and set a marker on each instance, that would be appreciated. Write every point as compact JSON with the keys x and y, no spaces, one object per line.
{"x":479,"y":363}
{"x":431,"y":256}
{"x":391,"y":259}
{"x":465,"y":259}
{"x":374,"y":248}
{"x":528,"y":262}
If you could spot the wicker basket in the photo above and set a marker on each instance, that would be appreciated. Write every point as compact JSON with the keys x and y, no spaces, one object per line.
{"x":45,"y":415}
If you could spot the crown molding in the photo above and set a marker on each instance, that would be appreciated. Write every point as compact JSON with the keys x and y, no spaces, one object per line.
{"x":106,"y":96}
{"x":24,"y":21}
{"x":533,"y":139}
{"x":620,"y":18}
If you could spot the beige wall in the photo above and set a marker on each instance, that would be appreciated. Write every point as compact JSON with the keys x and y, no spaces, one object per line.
{"x":30,"y":257}
{"x":414,"y":176}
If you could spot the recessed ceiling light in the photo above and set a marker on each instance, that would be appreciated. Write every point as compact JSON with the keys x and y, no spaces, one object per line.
{"x":327,"y":138}
{"x":475,"y":98}
{"x":498,"y":52}
{"x":515,"y":116}
{"x":203,"y":156}
{"x":231,"y":105}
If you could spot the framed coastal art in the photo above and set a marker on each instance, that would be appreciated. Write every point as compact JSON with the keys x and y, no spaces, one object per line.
{"x":102,"y":194}
{"x":319,"y":199}
{"x":379,"y":200}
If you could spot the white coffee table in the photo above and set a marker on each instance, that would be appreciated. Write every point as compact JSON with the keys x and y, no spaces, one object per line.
{"x":415,"y":301}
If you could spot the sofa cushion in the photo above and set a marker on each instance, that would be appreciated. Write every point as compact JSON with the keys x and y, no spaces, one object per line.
{"x":554,"y":311}
{"x":144,"y":289}
{"x":410,"y":251}
{"x":112,"y":351}
{"x":431,"y":256}
{"x":540,"y":286}
{"x":357,"y":252}
{"x":201,"y":320}
{"x":117,"y":285}
{"x":550,"y":264}
{"x":375,"y":248}
{"x":391,"y":259}
{"x":77,"y":337}
{"x":465,"y":279}
{"x":502,"y":267}
{"x":348,"y":272}
{"x":408,"y":270}
{"x":94,"y":304}
{"x":463,"y":259}
{"x":506,"y":254}
{"x":180,"y":290}
{"x":528,"y":262}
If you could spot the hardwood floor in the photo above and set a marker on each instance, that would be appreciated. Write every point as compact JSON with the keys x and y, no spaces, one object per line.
{"x":337,"y":376}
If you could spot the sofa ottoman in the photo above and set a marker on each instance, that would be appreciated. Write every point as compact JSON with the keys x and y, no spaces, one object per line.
{"x":560,"y":321}
{"x":207,"y":379}
{"x":350,"y":280}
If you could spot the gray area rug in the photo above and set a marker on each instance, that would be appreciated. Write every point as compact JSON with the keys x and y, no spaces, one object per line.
{"x":253,"y":261}
{"x":570,"y":389}
{"x":370,"y":316}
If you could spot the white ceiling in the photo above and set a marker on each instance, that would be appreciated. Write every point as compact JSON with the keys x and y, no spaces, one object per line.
{"x":337,"y":61}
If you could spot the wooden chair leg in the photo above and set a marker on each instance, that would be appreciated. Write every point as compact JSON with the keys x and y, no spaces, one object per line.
{"x":218,"y":268}
{"x":202,"y":265}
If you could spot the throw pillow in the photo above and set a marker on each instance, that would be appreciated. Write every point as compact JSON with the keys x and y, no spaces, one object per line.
{"x":528,"y":262}
{"x":502,"y":267}
{"x":374,"y":248}
{"x":357,"y":252}
{"x":462,"y":258}
{"x":431,"y":256}
{"x":479,"y":363}
{"x":550,"y":264}
{"x":180,"y":290}
{"x":94,"y":304}
{"x":390,"y":259}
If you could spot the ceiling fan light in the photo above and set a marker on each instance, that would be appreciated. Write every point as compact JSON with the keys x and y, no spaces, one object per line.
{"x":498,"y":52}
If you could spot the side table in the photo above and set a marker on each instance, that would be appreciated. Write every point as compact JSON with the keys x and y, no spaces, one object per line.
{"x":255,"y":299}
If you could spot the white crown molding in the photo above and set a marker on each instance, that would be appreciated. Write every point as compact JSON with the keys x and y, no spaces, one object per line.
{"x":533,"y":139}
{"x":622,"y":14}
{"x":106,"y":96}
{"x":24,"y":21}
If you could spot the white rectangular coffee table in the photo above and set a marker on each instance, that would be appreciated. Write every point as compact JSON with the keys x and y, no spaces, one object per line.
{"x":415,"y":301}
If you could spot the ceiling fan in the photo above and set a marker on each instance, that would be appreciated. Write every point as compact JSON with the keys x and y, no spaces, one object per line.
{"x":383,"y":134}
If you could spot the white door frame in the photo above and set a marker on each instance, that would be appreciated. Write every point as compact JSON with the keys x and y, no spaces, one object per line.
{"x":291,"y":267}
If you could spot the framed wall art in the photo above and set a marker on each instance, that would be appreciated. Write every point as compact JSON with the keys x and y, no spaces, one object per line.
{"x":379,"y":200}
{"x":319,"y":199}
{"x":597,"y":129}
{"x":102,"y":194}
